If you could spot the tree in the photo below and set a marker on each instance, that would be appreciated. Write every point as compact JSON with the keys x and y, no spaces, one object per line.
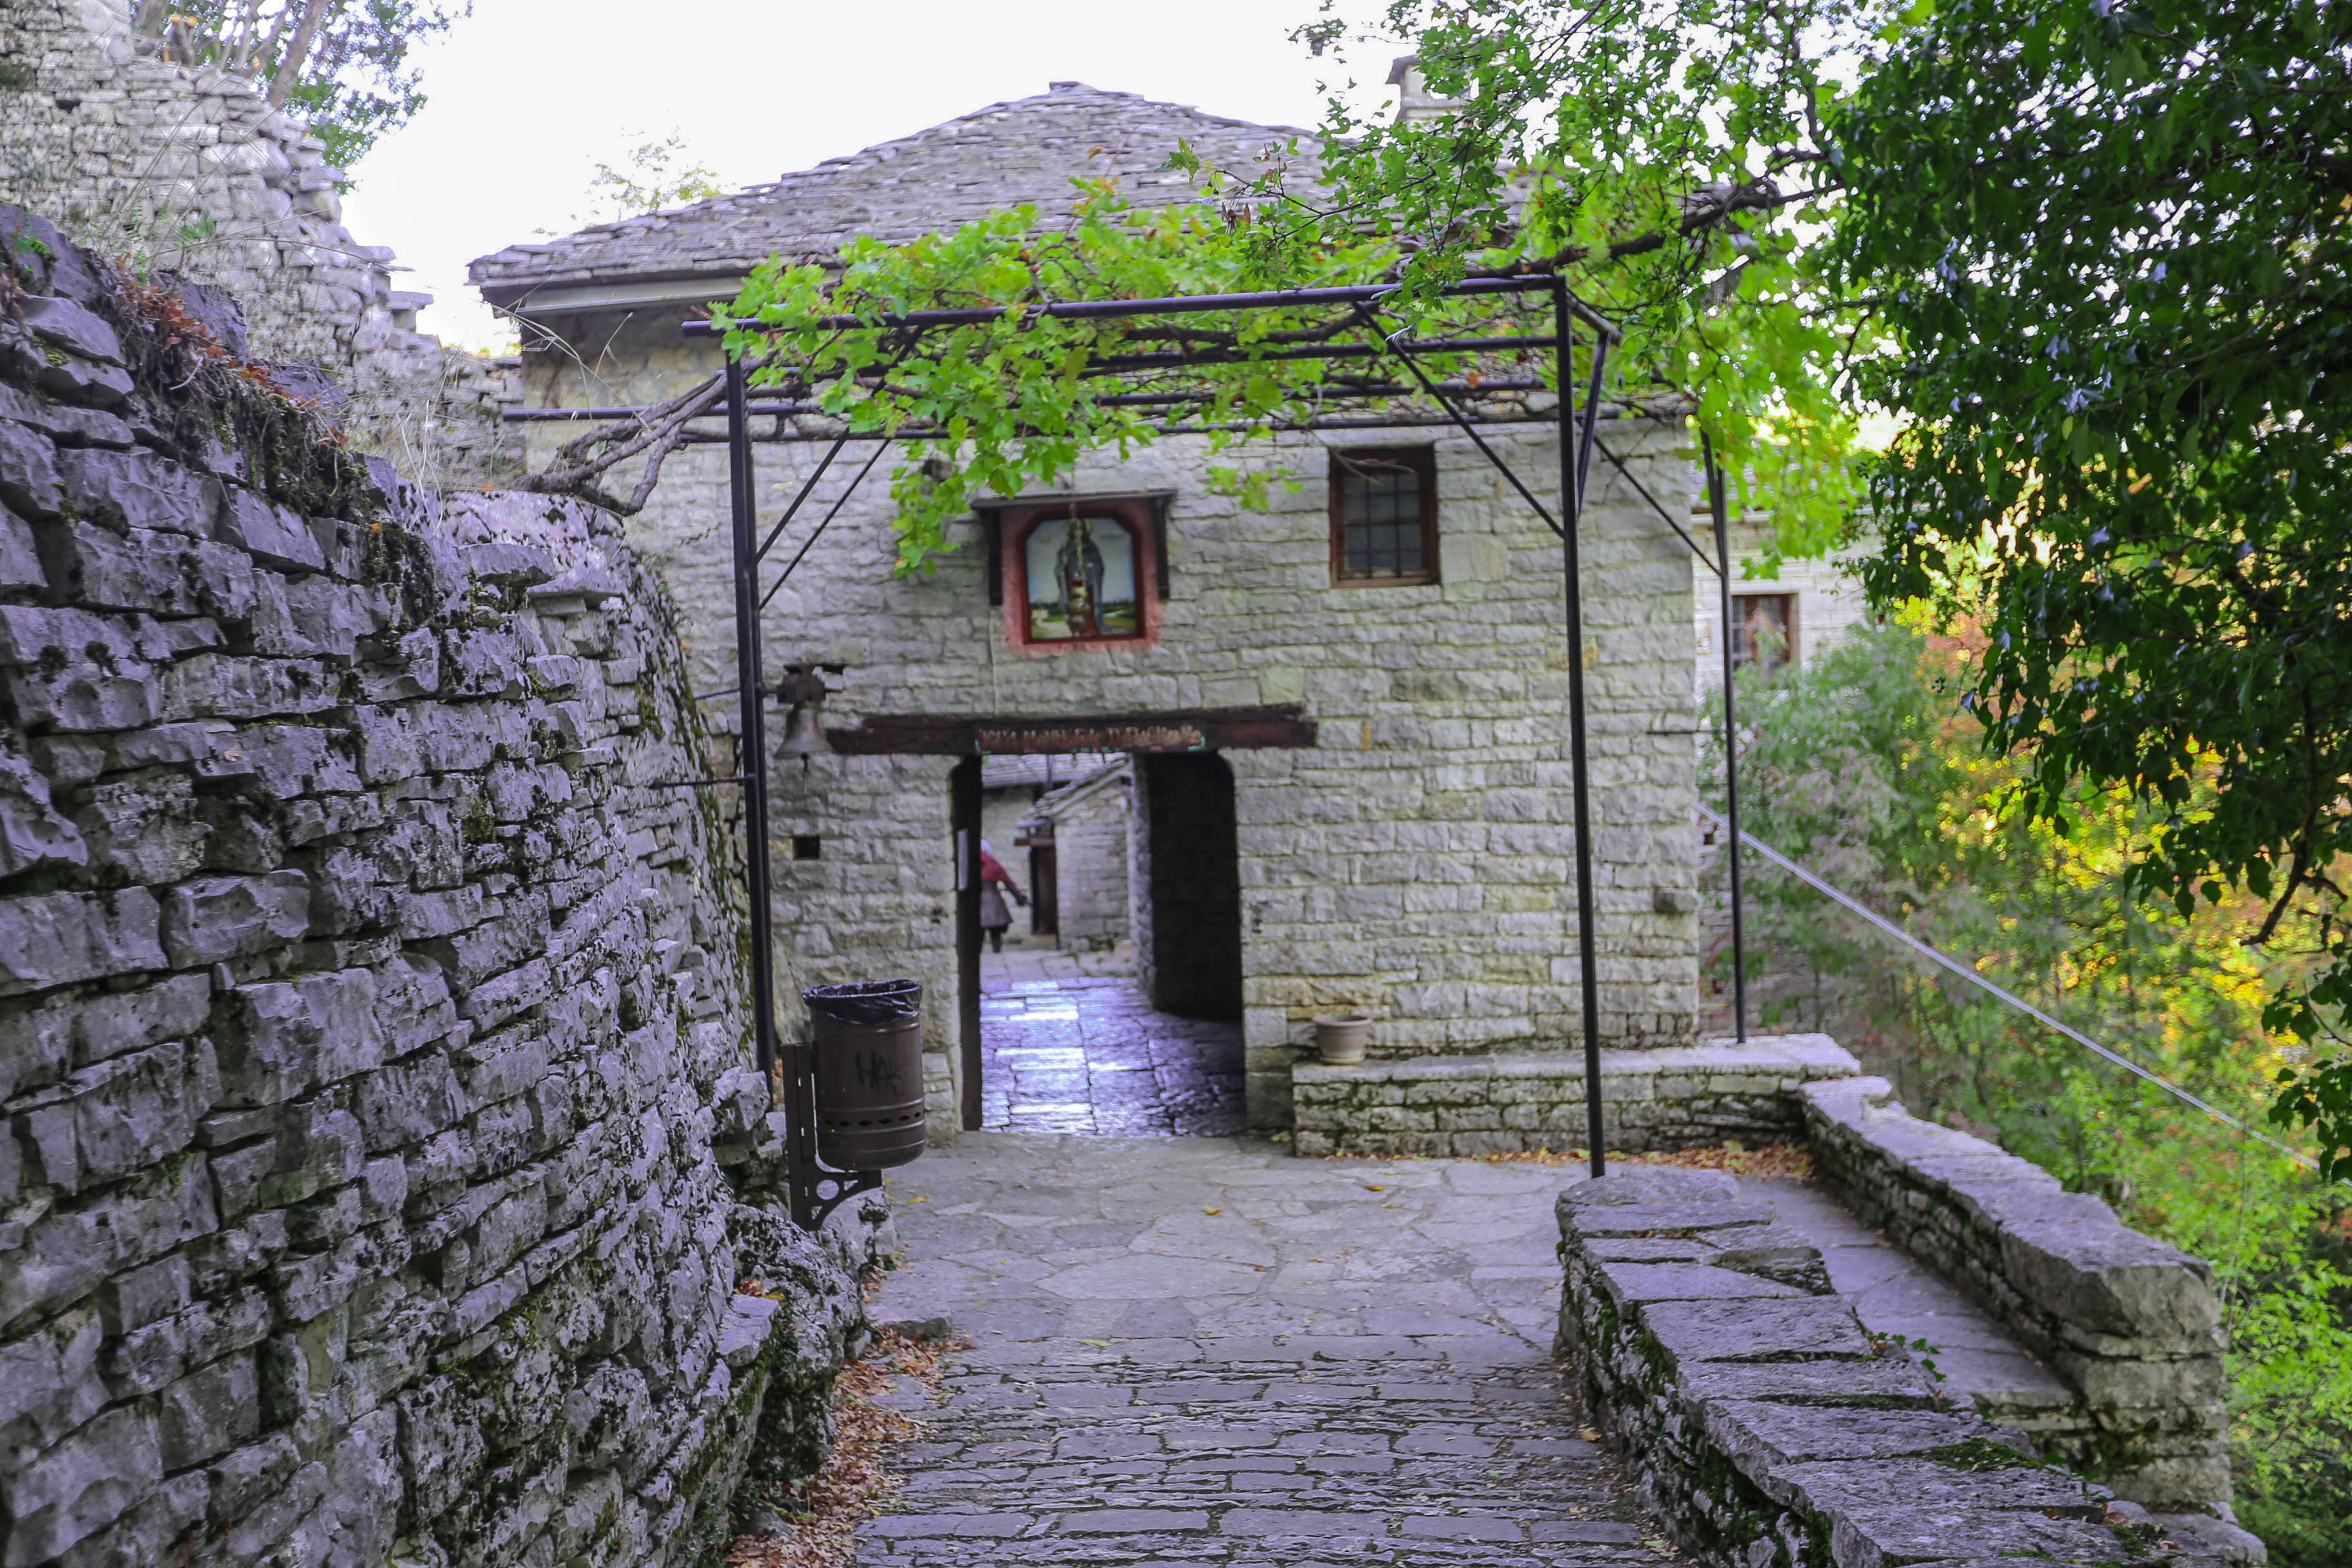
{"x":649,"y":182}
{"x":2116,"y":244}
{"x":1671,"y":157}
{"x":338,"y":65}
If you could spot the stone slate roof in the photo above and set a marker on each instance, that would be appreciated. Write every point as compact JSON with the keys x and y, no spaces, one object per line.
{"x":1022,"y":150}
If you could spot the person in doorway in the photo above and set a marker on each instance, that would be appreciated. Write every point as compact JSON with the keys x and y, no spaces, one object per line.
{"x":993,"y":916}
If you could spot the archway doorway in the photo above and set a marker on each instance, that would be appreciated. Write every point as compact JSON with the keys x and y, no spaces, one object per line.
{"x":1171,"y":1039}
{"x":1126,"y":1020}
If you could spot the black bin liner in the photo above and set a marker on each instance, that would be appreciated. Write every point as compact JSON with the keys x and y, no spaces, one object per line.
{"x":865,"y":1002}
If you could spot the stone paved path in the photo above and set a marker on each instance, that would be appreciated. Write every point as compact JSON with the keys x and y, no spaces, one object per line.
{"x":1197,"y":1351}
{"x":1069,"y":1045}
{"x":1895,"y":1293}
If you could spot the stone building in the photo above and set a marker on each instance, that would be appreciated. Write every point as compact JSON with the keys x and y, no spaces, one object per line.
{"x":1352,"y":789}
{"x":1090,"y":828}
{"x":1785,"y":620}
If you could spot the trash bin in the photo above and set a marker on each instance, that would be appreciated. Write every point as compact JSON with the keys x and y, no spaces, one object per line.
{"x":869,"y":1073}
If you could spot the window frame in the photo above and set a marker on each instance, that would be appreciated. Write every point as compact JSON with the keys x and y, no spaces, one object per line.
{"x":1745,"y":660}
{"x":1423,"y":460}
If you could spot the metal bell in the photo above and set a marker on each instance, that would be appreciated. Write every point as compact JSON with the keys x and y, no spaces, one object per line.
{"x":802,"y":738}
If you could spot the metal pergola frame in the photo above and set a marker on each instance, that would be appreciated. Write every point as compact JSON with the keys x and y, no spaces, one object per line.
{"x":815,"y":1189}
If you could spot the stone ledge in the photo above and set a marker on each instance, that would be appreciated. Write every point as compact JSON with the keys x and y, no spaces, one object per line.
{"x":1747,"y":1402}
{"x":1670,"y":1097}
{"x":2131,"y":1324}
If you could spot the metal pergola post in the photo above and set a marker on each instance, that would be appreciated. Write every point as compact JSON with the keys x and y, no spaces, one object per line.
{"x":752,"y":691}
{"x":787,"y":1070}
{"x":1575,"y":458}
{"x":1717,"y":504}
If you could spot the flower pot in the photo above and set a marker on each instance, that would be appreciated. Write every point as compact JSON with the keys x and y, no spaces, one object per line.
{"x":1341,"y":1037}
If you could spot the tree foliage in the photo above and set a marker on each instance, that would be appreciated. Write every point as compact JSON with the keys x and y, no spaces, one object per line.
{"x":1015,"y":401}
{"x":1671,"y":158}
{"x":1861,"y":763}
{"x":340,"y":65}
{"x":652,"y":176}
{"x":2113,"y":242}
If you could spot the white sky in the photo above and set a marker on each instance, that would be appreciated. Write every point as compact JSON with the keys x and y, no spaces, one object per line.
{"x":528,"y":95}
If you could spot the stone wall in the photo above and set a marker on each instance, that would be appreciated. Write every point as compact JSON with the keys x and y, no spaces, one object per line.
{"x":1687,"y":1098}
{"x":2132,"y":1325}
{"x":368,"y":1013}
{"x":1414,"y":864}
{"x":189,"y":170}
{"x":1093,"y":823}
{"x":1770,"y":1429}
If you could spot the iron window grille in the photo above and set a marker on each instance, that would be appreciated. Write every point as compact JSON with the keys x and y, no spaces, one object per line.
{"x":1383,"y":516}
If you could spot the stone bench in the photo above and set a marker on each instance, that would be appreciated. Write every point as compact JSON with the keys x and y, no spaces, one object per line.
{"x":1765,"y":1424}
{"x":2134,"y":1326}
{"x":1662,"y":1098}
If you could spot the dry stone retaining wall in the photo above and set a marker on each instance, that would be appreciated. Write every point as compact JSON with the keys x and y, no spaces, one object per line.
{"x":1763,"y":1424}
{"x":2134,"y":1325}
{"x":1692,"y":1097}
{"x":368,"y":1020}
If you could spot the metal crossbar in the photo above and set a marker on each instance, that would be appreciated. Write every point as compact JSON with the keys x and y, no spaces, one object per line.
{"x":1175,"y":305}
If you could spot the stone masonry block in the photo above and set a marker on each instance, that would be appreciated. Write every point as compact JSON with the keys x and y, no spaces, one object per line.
{"x":213,"y":918}
{"x":52,"y":939}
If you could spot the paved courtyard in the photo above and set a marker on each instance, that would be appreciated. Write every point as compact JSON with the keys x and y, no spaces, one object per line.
{"x":1203,"y":1351}
{"x":1069,"y":1045}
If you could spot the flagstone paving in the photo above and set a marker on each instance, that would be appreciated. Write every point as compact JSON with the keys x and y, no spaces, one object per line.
{"x":1205,"y":1351}
{"x":1069,"y":1045}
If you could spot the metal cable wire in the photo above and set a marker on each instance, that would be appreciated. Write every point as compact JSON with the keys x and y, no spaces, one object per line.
{"x":1973,"y":978}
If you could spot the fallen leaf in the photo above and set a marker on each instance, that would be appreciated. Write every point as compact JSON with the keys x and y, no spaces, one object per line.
{"x":1098,"y":1344}
{"x":1212,"y":1211}
{"x":1374,"y":1187}
{"x":1589,"y":1436}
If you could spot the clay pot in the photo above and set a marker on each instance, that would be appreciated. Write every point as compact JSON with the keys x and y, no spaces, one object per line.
{"x":1340,"y":1037}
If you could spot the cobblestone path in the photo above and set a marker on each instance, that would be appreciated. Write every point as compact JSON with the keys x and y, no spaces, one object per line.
{"x":1071,"y":1046}
{"x":1197,"y":1351}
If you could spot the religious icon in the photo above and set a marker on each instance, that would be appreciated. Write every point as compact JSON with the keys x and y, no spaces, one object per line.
{"x":1081,"y":580}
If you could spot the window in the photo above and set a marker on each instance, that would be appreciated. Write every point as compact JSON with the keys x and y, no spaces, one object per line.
{"x":1383,"y":516}
{"x":1763,"y":630}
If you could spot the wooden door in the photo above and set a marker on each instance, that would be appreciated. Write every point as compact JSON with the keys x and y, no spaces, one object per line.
{"x":1044,"y":893}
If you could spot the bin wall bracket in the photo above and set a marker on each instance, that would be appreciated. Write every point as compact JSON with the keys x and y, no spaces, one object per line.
{"x":833,"y":1188}
{"x":815,"y":1188}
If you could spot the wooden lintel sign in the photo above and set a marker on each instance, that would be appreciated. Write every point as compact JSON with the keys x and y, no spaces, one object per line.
{"x":1185,"y":730}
